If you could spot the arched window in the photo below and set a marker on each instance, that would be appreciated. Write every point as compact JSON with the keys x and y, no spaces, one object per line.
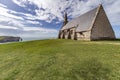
{"x":81,"y":33}
{"x":71,"y":32}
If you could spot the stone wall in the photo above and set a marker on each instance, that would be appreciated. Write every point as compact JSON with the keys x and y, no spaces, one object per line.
{"x":102,"y":28}
{"x":83,"y":35}
{"x":72,"y":33}
{"x":67,"y":34}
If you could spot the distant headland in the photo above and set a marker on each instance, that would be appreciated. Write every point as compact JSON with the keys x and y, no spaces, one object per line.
{"x":4,"y":39}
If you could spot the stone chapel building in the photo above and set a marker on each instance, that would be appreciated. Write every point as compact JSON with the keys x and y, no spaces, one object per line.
{"x":93,"y":25}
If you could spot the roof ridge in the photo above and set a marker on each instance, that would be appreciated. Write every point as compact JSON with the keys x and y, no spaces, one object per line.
{"x":97,"y":12}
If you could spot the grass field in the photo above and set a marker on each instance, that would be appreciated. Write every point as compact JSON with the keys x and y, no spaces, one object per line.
{"x":60,"y":60}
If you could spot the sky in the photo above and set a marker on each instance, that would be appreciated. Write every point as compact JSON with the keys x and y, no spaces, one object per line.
{"x":42,"y":19}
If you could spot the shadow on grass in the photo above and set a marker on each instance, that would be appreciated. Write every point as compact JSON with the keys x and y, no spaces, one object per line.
{"x":91,"y":69}
{"x":108,"y":40}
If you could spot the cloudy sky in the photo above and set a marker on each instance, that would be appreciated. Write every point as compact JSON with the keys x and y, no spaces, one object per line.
{"x":40,"y":19}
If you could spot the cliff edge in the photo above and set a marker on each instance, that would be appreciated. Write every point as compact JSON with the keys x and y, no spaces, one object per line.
{"x":4,"y":39}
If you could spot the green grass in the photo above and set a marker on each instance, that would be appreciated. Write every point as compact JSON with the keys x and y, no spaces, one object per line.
{"x":60,"y":60}
{"x":2,"y":37}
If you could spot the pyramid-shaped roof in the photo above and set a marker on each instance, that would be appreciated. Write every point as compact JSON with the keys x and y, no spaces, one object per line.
{"x":83,"y":22}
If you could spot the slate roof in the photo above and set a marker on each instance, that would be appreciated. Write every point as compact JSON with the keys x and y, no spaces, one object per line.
{"x":83,"y":22}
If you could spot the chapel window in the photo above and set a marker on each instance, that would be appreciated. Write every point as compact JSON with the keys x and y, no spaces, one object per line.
{"x":81,"y":33}
{"x":71,"y":31}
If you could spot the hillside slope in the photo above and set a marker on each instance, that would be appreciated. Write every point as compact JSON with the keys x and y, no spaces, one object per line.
{"x":60,"y":60}
{"x":4,"y":39}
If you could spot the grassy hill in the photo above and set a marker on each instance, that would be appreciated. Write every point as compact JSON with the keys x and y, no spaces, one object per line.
{"x":4,"y":39}
{"x":60,"y":60}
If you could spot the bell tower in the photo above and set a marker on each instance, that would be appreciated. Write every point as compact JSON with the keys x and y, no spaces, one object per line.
{"x":64,"y":23}
{"x":65,"y":19}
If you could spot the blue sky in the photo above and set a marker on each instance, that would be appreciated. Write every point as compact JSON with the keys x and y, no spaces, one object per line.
{"x":40,"y":19}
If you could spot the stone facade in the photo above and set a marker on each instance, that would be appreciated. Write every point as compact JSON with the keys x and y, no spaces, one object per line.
{"x":102,"y":29}
{"x":83,"y":35}
{"x":67,"y":34}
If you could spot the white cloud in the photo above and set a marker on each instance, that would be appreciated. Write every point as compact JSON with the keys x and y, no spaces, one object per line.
{"x":28,"y":32}
{"x":7,"y":27}
{"x":54,"y":9}
{"x":8,"y":17}
{"x":1,"y":5}
{"x":10,"y":22}
{"x":20,"y":2}
{"x":43,"y":30}
{"x":33,"y":22}
{"x":113,"y":12}
{"x":5,"y":12}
